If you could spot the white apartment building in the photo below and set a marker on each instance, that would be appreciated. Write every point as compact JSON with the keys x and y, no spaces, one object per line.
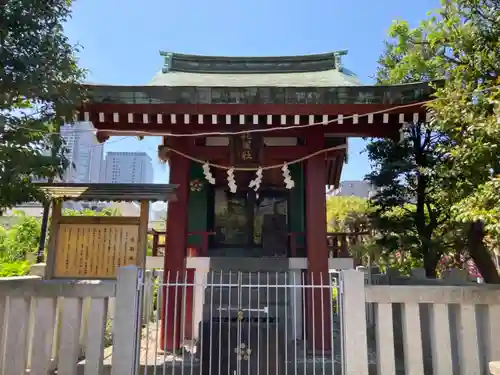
{"x":84,"y":152}
{"x":127,"y":167}
{"x":361,"y":189}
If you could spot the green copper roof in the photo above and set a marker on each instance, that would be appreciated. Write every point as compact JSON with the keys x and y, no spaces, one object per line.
{"x":110,"y":192}
{"x":318,"y":70}
{"x":348,"y":94}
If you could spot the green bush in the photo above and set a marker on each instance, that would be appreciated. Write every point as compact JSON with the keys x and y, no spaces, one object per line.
{"x":21,"y":239}
{"x":16,"y":268}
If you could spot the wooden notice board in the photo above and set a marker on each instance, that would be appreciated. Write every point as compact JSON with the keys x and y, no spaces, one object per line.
{"x":95,"y":250}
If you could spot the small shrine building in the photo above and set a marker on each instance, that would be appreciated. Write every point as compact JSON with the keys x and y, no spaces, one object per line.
{"x":251,"y":143}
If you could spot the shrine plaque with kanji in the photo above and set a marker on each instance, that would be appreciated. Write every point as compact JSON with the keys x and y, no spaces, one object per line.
{"x":246,"y":149}
{"x":95,"y":250}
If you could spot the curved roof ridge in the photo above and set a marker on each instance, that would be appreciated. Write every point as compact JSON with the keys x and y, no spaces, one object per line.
{"x":302,"y":57}
{"x":176,"y":62}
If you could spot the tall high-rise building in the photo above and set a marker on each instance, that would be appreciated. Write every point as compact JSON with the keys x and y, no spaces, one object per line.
{"x":127,"y":167}
{"x":84,"y":152}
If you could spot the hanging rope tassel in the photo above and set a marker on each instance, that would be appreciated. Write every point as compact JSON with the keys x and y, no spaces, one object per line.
{"x":289,"y":183}
{"x":257,"y":181}
{"x":208,"y":175}
{"x":231,"y":182}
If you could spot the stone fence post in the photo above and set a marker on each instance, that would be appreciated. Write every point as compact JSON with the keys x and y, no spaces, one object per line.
{"x":494,"y":367}
{"x":126,"y":323}
{"x":354,"y":320}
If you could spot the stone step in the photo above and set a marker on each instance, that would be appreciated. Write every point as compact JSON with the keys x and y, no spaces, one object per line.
{"x":262,"y":279}
{"x":230,"y":313}
{"x":247,"y":296}
{"x":248,"y":264}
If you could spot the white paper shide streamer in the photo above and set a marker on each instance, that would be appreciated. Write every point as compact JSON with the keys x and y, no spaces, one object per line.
{"x":289,"y":183}
{"x":231,"y":182}
{"x":208,"y":175}
{"x":255,"y":183}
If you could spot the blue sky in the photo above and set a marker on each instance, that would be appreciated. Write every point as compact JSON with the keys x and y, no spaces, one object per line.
{"x":121,"y":40}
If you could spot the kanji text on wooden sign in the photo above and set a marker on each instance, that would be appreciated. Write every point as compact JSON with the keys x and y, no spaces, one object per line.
{"x":95,"y":251}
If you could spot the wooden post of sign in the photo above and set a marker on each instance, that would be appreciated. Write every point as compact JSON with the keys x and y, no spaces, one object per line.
{"x":54,"y":233}
{"x":143,"y":234}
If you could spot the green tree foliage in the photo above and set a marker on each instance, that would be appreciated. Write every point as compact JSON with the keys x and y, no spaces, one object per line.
{"x":453,"y":177}
{"x":467,"y":109}
{"x":347,"y":214}
{"x":352,"y":215}
{"x":407,"y":214}
{"x":483,"y":205}
{"x":39,"y":85}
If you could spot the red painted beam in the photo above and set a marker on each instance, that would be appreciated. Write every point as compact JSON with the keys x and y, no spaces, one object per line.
{"x":284,"y":152}
{"x":293,"y":152}
{"x":251,"y":109}
{"x":211,"y":153}
{"x":270,"y":155}
{"x":346,"y":129}
{"x":334,"y":155}
{"x":107,"y":119}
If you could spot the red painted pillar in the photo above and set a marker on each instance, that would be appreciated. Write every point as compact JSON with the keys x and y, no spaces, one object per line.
{"x":318,"y":300}
{"x":175,"y":255}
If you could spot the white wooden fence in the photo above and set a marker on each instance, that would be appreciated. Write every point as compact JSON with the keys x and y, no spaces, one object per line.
{"x":435,"y":329}
{"x":418,"y":329}
{"x":41,"y":324}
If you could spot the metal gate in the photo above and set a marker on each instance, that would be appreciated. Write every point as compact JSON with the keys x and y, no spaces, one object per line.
{"x":240,"y":323}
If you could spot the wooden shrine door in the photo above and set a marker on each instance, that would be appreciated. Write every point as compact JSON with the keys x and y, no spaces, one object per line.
{"x":257,"y":222}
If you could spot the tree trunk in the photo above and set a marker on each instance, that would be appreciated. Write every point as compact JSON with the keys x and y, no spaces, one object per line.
{"x":430,"y":264}
{"x":480,"y":254}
